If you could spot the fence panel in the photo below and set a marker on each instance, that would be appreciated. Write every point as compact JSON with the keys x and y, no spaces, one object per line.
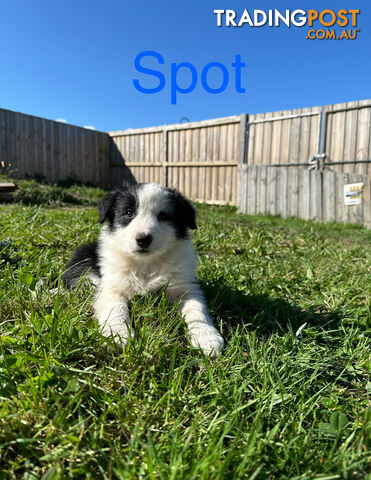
{"x":199,"y":158}
{"x":308,"y":194}
{"x":33,"y":145}
{"x":288,"y":136}
{"x":347,"y":136}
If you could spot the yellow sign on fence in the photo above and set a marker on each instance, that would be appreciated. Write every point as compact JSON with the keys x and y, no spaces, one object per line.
{"x":353,"y":193}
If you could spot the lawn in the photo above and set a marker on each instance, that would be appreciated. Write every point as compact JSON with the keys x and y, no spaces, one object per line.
{"x":288,"y":398}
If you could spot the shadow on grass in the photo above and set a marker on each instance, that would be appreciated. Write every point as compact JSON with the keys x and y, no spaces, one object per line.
{"x":262,"y":313}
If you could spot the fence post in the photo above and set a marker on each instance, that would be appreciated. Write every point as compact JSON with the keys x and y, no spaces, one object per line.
{"x":243,"y":138}
{"x":321,"y":151}
{"x":321,"y":154}
{"x":242,"y":164}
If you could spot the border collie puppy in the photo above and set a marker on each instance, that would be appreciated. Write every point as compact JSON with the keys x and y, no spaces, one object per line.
{"x":143,"y":247}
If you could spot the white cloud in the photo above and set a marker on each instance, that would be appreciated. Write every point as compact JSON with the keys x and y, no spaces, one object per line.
{"x":61,"y":120}
{"x":89,"y":127}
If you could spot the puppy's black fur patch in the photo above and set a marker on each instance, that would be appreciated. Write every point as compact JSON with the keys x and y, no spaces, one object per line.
{"x":84,"y":259}
{"x":114,"y":206}
{"x":184,"y":215}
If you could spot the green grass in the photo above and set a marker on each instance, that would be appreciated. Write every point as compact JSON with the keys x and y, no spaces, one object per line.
{"x":278,"y":403}
{"x":36,"y":191}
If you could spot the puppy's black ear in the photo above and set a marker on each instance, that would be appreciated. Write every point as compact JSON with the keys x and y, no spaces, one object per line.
{"x":106,"y":207}
{"x":190,"y":214}
{"x":184,"y":209}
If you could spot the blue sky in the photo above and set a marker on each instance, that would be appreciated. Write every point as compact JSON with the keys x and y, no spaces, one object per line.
{"x":74,"y":59}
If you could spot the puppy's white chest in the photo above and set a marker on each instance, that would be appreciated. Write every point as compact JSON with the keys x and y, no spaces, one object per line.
{"x":142,"y":281}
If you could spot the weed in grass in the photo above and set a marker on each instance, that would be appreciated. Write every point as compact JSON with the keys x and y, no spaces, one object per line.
{"x":288,"y":398}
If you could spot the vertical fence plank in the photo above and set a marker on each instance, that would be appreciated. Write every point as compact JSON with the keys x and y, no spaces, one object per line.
{"x":271,"y":193}
{"x":242,"y":188}
{"x":350,"y":136}
{"x":203,"y":142}
{"x":292,"y":191}
{"x":363,"y":145}
{"x":262,"y":190}
{"x":307,"y":196}
{"x":253,"y":188}
{"x":195,"y":158}
{"x":165,"y":139}
{"x":367,"y":202}
{"x":243,"y":139}
{"x":304,"y":141}
{"x":328,"y":209}
{"x":280,"y":192}
{"x":317,"y":197}
{"x":262,"y":141}
{"x":341,"y":213}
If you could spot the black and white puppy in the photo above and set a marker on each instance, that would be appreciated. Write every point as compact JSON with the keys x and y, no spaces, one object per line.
{"x":143,"y":247}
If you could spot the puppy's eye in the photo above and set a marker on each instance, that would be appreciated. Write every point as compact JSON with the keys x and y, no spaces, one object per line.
{"x":162,"y":216}
{"x":129,"y":213}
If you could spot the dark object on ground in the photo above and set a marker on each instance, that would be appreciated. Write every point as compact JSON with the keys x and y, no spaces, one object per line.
{"x":6,"y":192}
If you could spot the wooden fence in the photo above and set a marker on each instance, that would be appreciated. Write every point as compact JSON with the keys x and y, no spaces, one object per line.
{"x":288,"y":136}
{"x":297,"y":163}
{"x":297,"y":192}
{"x":200,"y":159}
{"x":205,"y":159}
{"x":347,"y":136}
{"x":341,"y":131}
{"x":56,"y":150}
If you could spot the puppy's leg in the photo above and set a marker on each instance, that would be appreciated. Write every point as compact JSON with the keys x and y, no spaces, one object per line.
{"x":113,"y":315}
{"x":201,"y":328}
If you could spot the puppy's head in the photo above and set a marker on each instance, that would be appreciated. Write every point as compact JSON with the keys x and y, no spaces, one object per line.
{"x":147,"y":219}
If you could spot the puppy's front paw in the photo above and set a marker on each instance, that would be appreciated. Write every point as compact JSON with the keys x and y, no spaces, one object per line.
{"x":208,"y":339}
{"x":120,"y":332}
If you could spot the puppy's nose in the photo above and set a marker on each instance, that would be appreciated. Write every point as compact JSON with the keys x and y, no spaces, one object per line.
{"x":144,"y":240}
